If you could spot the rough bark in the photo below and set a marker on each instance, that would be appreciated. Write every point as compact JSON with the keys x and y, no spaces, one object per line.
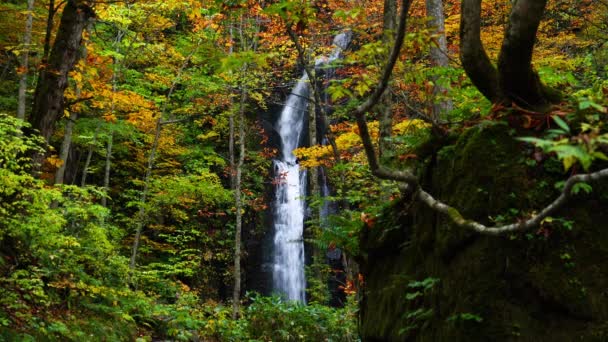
{"x":27,"y":39}
{"x":53,"y":80}
{"x":439,"y":57}
{"x":518,"y":82}
{"x":473,"y":56}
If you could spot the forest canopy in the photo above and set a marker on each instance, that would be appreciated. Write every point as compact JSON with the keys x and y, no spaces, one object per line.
{"x":137,"y":142}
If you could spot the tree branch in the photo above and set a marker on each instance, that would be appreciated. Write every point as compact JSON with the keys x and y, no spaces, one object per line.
{"x":360,"y":112}
{"x":410,"y":181}
{"x":534,"y":221}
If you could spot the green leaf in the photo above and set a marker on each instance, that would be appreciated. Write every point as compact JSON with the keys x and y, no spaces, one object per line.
{"x":561,"y":123}
{"x":578,"y":187}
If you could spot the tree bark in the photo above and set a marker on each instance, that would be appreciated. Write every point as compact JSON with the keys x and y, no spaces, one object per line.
{"x":385,"y":124}
{"x":50,"y":22}
{"x":473,"y":56}
{"x":312,"y":134}
{"x":236,"y":293}
{"x":27,"y":39}
{"x":106,"y":174}
{"x":514,"y":82}
{"x":518,"y":82}
{"x":439,"y":57}
{"x":48,"y":99}
{"x":65,"y":148}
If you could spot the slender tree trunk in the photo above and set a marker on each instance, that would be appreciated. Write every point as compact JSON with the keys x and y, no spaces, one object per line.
{"x":65,"y":148}
{"x":48,"y":99}
{"x":231,"y":123}
{"x":386,"y":111}
{"x":50,"y":22}
{"x":231,"y":151}
{"x":27,"y":39}
{"x":106,"y":175}
{"x":439,"y":57}
{"x":312,"y":133}
{"x":144,"y":195}
{"x":87,"y":163}
{"x":236,"y":294}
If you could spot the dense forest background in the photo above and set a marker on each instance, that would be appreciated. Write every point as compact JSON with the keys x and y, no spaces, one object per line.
{"x":136,"y":142}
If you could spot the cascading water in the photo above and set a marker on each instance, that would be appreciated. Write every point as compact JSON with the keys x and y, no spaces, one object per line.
{"x":290,"y":207}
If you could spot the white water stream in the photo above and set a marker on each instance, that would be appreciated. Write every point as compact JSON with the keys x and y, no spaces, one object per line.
{"x":290,"y":207}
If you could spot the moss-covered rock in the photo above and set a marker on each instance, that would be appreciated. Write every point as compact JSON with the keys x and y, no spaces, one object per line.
{"x":548,"y":284}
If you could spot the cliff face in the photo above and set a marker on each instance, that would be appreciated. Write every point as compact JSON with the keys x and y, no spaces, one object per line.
{"x":548,"y":284}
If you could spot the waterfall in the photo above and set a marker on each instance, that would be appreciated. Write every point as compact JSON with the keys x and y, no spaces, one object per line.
{"x":288,"y":268}
{"x":290,"y":187}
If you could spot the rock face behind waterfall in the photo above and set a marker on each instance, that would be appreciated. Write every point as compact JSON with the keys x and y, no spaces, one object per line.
{"x":547,"y":284}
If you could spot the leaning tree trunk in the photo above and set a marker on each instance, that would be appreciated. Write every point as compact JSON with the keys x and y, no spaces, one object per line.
{"x":514,"y":82}
{"x":473,"y":56}
{"x":519,"y":83}
{"x":48,"y":99}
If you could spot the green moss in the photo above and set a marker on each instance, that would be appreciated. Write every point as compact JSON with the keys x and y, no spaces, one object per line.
{"x":520,"y":285}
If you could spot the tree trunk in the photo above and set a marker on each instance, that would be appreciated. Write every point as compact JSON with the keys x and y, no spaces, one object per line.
{"x":48,"y":99}
{"x":65,"y":148}
{"x":473,"y":56}
{"x":236,"y":294}
{"x":144,"y":194}
{"x":27,"y":39}
{"x":87,"y":163}
{"x":312,"y":134}
{"x":439,"y":57}
{"x":106,"y":175}
{"x":519,"y":83}
{"x":514,"y":82}
{"x":385,"y":123}
{"x":50,"y":22}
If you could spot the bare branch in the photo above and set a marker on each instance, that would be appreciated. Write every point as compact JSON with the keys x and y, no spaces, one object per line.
{"x":534,"y":221}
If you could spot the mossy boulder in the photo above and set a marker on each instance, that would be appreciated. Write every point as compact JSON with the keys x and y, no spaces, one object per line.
{"x":547,"y":284}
